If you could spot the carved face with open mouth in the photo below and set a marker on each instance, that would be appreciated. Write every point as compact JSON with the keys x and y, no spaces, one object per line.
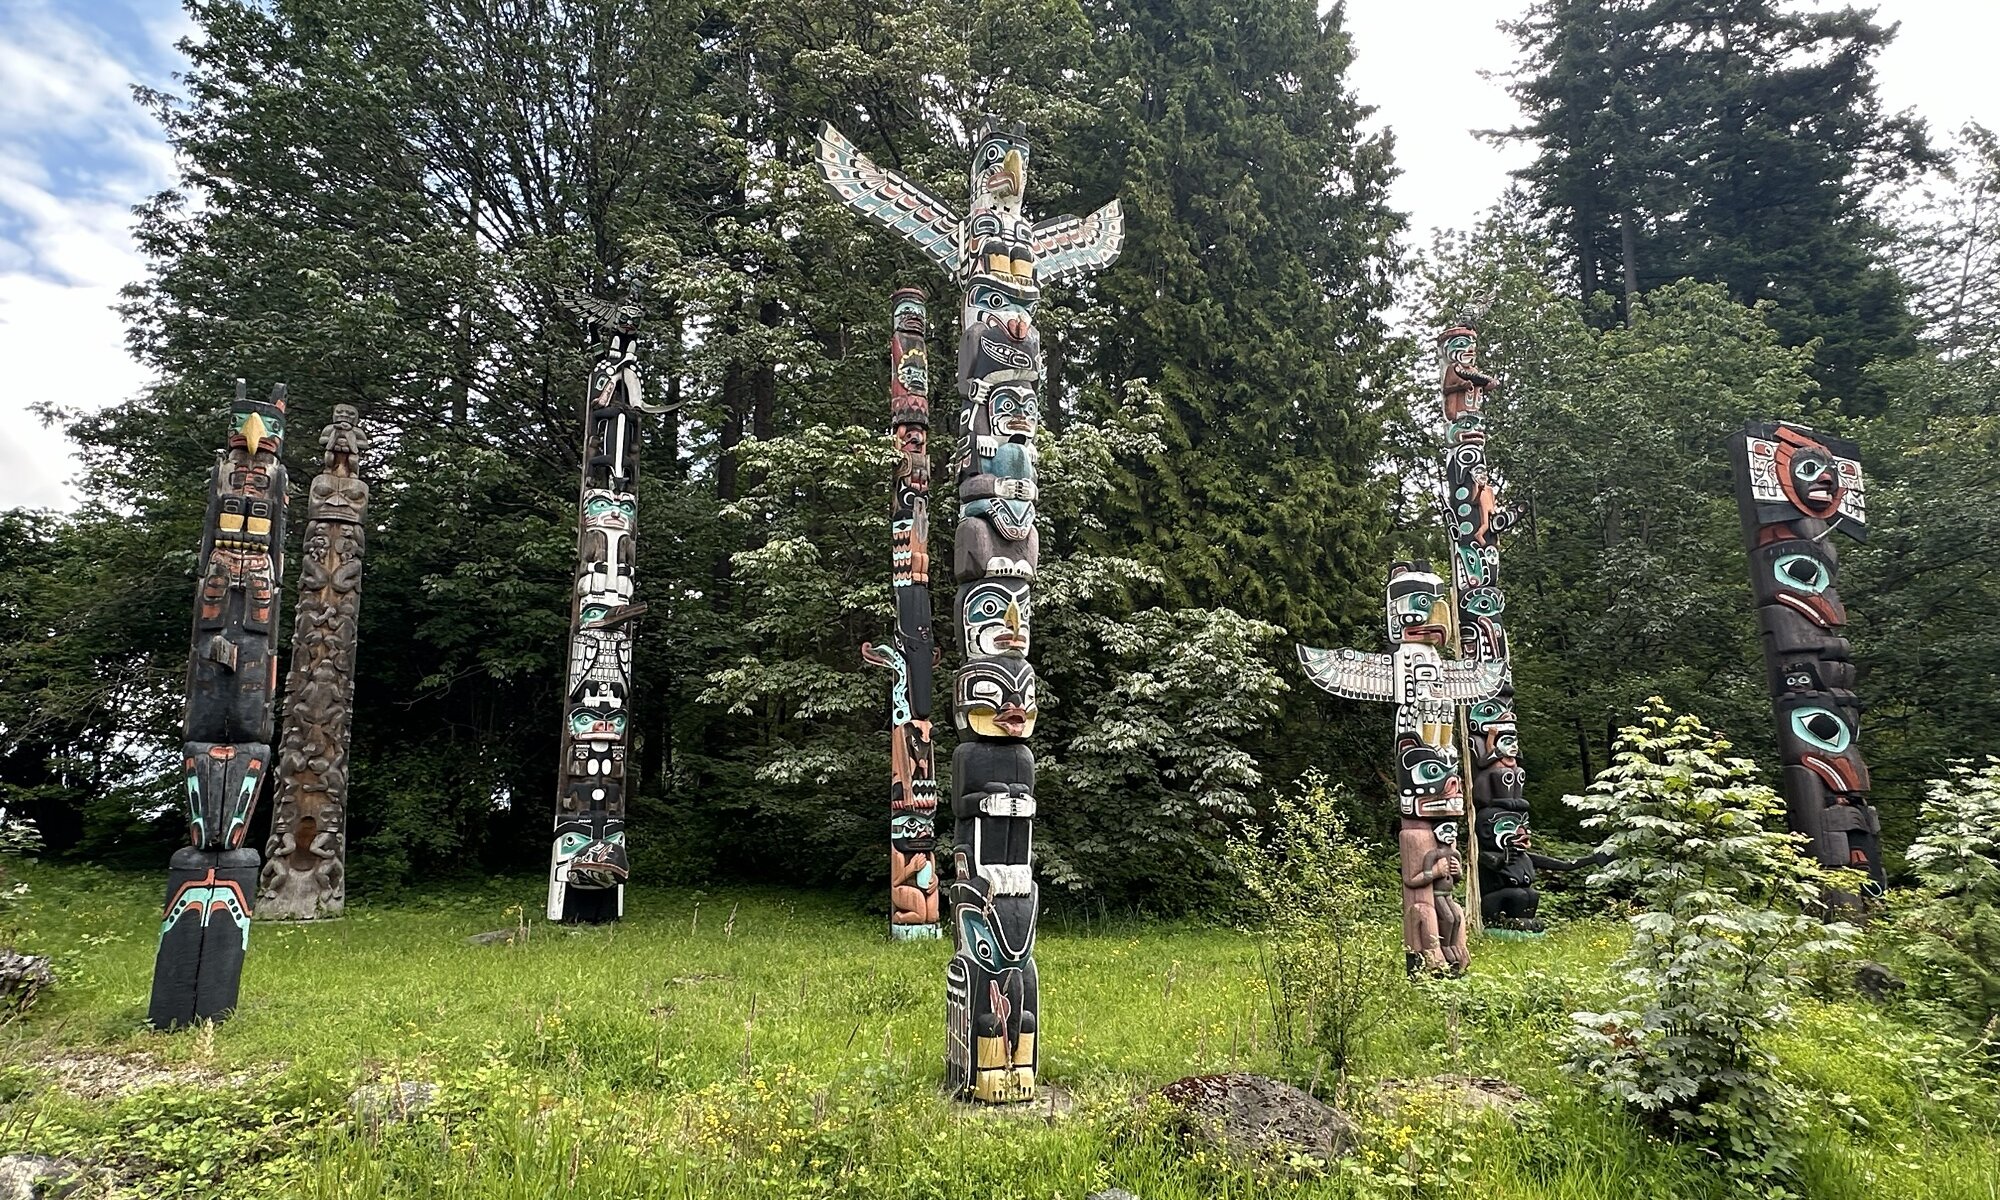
{"x":995,"y":698}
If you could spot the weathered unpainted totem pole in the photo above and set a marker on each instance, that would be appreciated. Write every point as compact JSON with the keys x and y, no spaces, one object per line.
{"x":1794,"y":489}
{"x":226,"y":730}
{"x":587,"y":864}
{"x":305,"y":858}
{"x":1426,"y":689}
{"x":993,"y":997}
{"x":912,"y":655}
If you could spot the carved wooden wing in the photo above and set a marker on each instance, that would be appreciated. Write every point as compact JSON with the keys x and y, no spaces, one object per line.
{"x":1470,"y":682}
{"x":885,"y":197}
{"x":1066,"y":247}
{"x":590,"y":308}
{"x":1351,"y":673}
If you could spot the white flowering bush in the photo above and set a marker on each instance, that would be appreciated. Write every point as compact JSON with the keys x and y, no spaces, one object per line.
{"x":1720,"y":937}
{"x":1949,"y":937}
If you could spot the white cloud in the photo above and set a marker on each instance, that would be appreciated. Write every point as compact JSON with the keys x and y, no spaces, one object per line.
{"x":76,"y":153}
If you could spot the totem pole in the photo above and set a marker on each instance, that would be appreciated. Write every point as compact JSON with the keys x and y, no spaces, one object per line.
{"x":1474,"y":520}
{"x":913,"y":876}
{"x":1425,"y":688}
{"x":1794,"y":488}
{"x":226,"y":747}
{"x":992,"y":993}
{"x":305,"y":858}
{"x":587,"y":864}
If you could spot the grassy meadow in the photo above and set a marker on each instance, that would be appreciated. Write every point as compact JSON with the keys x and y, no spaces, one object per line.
{"x":768,"y":1044}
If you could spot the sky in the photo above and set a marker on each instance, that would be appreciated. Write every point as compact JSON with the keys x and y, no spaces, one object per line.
{"x":76,"y":153}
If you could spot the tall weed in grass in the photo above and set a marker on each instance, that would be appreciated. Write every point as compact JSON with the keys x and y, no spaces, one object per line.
{"x":1948,"y":938}
{"x":1721,"y":933}
{"x":1329,"y":965}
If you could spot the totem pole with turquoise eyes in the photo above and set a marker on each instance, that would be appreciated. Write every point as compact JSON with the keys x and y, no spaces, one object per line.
{"x":1794,"y":489}
{"x":587,"y":864}
{"x":1474,"y":521}
{"x":912,"y":655}
{"x":226,"y":731}
{"x":1426,"y":689}
{"x":992,"y":992}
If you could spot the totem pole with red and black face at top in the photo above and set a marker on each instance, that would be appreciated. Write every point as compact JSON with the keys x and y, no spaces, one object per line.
{"x":1795,"y":488}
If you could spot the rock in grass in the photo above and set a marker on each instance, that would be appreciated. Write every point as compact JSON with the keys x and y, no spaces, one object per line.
{"x":1877,"y":982}
{"x":38,"y":1177}
{"x":1111,"y":1194}
{"x":1251,"y":1116}
{"x":391,"y":1103}
{"x":1467,"y":1095}
{"x":22,"y":978}
{"x":495,"y":937}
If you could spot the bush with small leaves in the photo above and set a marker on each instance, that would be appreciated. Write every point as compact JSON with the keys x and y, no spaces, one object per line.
{"x":1330,"y":960}
{"x":1719,"y":938}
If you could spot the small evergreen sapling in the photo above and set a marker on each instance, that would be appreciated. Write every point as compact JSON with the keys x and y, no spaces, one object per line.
{"x":1720,"y":935}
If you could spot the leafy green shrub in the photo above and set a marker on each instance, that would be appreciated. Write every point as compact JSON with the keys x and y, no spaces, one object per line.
{"x":18,"y":838}
{"x":1720,"y":934}
{"x":1948,"y":939}
{"x":1330,"y":962}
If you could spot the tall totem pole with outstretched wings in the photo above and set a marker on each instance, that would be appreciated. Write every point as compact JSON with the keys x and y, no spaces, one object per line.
{"x":993,"y":999}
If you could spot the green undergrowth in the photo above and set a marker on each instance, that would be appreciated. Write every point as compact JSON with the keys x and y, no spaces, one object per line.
{"x":768,"y":1044}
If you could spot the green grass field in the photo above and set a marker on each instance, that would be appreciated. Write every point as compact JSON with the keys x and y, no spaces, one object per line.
{"x":766,"y":1044}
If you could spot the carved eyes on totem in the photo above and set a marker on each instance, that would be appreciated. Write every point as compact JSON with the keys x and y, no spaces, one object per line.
{"x":1486,"y":712}
{"x":589,"y":722}
{"x":979,"y":938}
{"x":1484,"y":602}
{"x":609,"y":509}
{"x":996,"y":614}
{"x":911,"y":826}
{"x":1447,"y":832}
{"x":1016,"y":412}
{"x":569,"y":844}
{"x":1822,"y":728}
{"x":1425,"y":766}
{"x":1802,"y":573}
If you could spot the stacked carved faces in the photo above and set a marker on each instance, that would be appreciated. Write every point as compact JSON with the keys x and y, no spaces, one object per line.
{"x":993,"y":998}
{"x":913,"y":873}
{"x":1796,"y":487}
{"x":1426,"y":760}
{"x":226,"y":750}
{"x":587,"y":862}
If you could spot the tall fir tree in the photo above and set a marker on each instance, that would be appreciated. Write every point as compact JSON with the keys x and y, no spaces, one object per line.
{"x":1731,"y":142}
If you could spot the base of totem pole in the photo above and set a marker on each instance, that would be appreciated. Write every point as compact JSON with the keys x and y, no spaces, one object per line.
{"x":915,"y":933}
{"x":591,"y":906}
{"x":1515,"y":935}
{"x":1048,"y":1101}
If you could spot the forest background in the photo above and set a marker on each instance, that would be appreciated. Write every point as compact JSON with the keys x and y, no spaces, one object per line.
{"x":380,"y":198}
